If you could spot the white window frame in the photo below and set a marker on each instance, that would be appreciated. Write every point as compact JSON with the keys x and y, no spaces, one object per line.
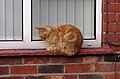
{"x":28,"y":44}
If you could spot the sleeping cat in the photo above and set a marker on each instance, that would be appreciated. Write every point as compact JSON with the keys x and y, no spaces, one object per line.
{"x":65,"y":39}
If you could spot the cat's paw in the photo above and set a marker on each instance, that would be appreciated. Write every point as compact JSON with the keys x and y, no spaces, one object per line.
{"x":49,"y":48}
{"x":52,"y":49}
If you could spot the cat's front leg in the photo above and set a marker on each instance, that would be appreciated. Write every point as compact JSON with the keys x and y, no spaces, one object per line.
{"x":53,"y":49}
{"x":49,"y":48}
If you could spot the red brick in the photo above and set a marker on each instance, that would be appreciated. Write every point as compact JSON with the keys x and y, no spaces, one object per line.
{"x":114,"y":28}
{"x":17,"y":77}
{"x":53,"y":77}
{"x":10,"y":60}
{"x":4,"y":70}
{"x":118,"y":7}
{"x":103,"y":67}
{"x":91,"y":59}
{"x":12,"y":77}
{"x":111,"y":17}
{"x":74,"y":59}
{"x":111,"y":58}
{"x":111,"y":37}
{"x":24,"y":70}
{"x":104,"y":38}
{"x":118,"y":17}
{"x":104,"y":27}
{"x":36,"y":60}
{"x":117,"y":76}
{"x":118,"y":48}
{"x":117,"y":67}
{"x":70,"y":77}
{"x":51,"y":69}
{"x":113,"y":47}
{"x":110,"y":76}
{"x":36,"y":77}
{"x":111,"y":27}
{"x":112,"y":8}
{"x":43,"y":77}
{"x":77,"y":68}
{"x":117,"y":28}
{"x":91,"y":76}
{"x":5,"y":77}
{"x":118,"y":37}
{"x":110,"y":0}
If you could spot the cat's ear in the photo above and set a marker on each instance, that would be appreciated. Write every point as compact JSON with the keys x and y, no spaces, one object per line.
{"x":40,"y":29}
{"x":37,"y":28}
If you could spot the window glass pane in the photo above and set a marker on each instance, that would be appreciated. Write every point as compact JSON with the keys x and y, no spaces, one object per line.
{"x":80,"y":13}
{"x":11,"y":20}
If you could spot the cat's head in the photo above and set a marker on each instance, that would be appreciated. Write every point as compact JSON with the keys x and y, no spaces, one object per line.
{"x":44,"y":31}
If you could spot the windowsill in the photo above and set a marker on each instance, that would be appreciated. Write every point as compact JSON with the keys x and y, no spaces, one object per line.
{"x":34,"y":52}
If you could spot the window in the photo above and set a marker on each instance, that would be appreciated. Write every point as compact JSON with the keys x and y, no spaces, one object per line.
{"x":19,"y":17}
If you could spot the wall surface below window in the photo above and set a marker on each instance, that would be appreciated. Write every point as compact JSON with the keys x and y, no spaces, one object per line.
{"x":111,"y":24}
{"x":60,"y":67}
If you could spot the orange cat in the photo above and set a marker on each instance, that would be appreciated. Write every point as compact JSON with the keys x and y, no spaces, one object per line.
{"x":65,"y":39}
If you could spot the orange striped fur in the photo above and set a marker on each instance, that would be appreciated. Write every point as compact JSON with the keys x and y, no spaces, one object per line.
{"x":65,"y":39}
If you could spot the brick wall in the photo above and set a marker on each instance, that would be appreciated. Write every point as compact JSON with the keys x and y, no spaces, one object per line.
{"x":76,"y":67}
{"x":111,"y":23}
{"x":59,"y":67}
